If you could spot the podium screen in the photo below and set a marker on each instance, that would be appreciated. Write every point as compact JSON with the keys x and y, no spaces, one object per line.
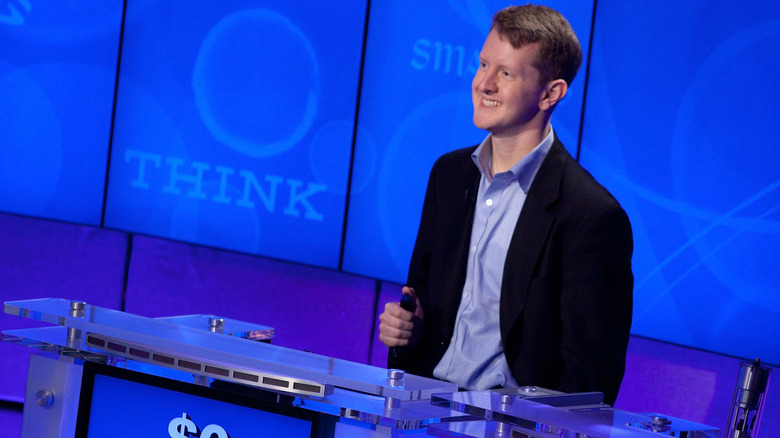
{"x":120,"y":403}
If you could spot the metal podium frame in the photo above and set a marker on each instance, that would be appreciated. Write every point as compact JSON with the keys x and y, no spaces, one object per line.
{"x":368,"y":401}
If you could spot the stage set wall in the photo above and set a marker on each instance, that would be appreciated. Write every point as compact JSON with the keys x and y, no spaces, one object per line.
{"x":671,"y":125}
{"x":312,"y":309}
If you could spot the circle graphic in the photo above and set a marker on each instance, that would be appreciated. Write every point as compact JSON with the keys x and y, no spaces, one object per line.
{"x":256,"y":83}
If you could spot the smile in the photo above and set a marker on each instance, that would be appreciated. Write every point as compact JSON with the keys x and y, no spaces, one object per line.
{"x":490,"y":103}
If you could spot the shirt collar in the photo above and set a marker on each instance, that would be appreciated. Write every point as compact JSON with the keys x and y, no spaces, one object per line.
{"x":524,"y":170}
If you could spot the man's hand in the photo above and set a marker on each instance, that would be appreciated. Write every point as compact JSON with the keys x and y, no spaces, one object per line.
{"x":399,"y":327}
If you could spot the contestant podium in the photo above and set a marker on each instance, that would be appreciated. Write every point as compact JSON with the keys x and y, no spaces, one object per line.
{"x":202,"y":375}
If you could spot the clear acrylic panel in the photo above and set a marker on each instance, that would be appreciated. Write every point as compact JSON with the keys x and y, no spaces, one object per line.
{"x":184,"y":343}
{"x":573,"y":416}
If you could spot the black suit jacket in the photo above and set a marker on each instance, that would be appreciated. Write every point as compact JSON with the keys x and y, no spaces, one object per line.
{"x":566,"y":295}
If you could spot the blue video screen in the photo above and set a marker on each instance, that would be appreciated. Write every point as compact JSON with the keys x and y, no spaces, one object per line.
{"x":234,"y":124}
{"x":120,"y":403}
{"x":674,"y":131}
{"x":416,"y":105}
{"x":57,"y":78}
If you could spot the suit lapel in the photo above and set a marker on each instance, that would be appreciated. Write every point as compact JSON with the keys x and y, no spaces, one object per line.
{"x":530,"y":235}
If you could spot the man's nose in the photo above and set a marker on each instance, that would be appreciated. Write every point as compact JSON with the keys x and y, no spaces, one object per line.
{"x":487,"y":83}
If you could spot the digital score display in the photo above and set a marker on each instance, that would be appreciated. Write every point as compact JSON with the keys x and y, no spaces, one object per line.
{"x":121,"y":403}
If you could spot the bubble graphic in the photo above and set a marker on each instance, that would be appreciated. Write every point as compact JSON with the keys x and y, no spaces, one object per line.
{"x":473,"y":11}
{"x":256,"y":83}
{"x":329,"y":157}
{"x":729,"y":196}
{"x":436,"y":126}
{"x":31,"y":154}
{"x":142,"y":126}
{"x":61,"y":22}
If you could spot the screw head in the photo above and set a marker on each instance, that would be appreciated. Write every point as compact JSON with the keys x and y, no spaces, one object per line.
{"x":44,"y":398}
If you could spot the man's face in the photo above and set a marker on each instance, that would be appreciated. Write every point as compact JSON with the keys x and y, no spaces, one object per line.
{"x":506,"y":89}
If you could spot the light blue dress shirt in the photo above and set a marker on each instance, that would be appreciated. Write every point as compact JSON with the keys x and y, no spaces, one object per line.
{"x":475,"y":358}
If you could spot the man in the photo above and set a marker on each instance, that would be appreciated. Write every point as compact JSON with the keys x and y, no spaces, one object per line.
{"x":521,"y":271}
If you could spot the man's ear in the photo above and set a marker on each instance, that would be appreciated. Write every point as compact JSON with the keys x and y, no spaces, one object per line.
{"x":553,"y":93}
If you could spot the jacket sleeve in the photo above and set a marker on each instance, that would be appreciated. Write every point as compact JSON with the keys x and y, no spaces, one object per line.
{"x":597,"y":303}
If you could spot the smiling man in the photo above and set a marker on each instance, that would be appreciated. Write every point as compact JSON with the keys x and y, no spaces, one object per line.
{"x":521,"y":272}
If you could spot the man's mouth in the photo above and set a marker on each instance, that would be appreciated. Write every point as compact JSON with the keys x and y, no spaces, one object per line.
{"x":490,"y":103}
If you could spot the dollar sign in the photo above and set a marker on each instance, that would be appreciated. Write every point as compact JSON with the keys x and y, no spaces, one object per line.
{"x":211,"y":429}
{"x":182,"y":427}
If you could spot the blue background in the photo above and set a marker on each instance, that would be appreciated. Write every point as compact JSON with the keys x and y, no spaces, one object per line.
{"x":267,"y":90}
{"x":677,"y":131}
{"x":57,"y":79}
{"x":678,"y":108}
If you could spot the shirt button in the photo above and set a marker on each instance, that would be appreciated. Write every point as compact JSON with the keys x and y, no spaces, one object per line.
{"x":489,"y":202}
